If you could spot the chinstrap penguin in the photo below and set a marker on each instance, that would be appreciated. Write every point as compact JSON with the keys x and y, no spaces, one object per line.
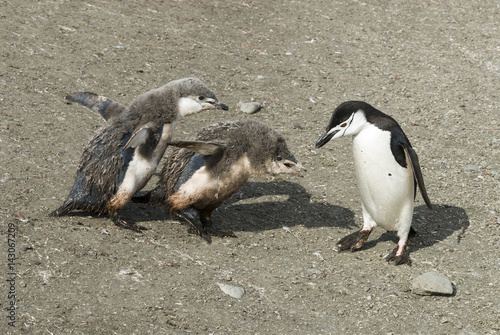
{"x":387,"y":173}
{"x":216,"y":163}
{"x":121,"y":158}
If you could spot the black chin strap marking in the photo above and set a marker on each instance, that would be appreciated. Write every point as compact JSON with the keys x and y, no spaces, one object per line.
{"x":345,"y":129}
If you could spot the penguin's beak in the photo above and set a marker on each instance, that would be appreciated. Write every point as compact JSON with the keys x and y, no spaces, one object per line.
{"x":223,"y":106}
{"x":326,"y":137}
{"x":294,"y":167}
{"x":210,"y":103}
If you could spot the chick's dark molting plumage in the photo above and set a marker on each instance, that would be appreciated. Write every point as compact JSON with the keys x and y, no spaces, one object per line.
{"x":215,"y":164}
{"x":121,"y":158}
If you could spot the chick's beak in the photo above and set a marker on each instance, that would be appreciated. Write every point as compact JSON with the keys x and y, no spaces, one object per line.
{"x":210,"y":103}
{"x":294,"y":167}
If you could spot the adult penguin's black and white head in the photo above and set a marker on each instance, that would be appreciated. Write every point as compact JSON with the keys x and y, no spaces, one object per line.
{"x":387,"y":172}
{"x":349,"y":118}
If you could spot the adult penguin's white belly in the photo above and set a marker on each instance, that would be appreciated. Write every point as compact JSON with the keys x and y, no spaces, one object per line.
{"x":386,"y":188}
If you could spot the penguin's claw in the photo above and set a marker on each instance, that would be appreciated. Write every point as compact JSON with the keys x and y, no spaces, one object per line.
{"x":202,"y":225}
{"x":196,"y":229}
{"x":195,"y":226}
{"x":354,"y":241}
{"x":404,"y":258}
{"x":210,"y":229}
{"x":119,"y":222}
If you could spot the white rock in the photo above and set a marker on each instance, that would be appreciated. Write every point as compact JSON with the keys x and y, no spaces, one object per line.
{"x":314,"y":271}
{"x":431,"y":283}
{"x":233,"y":291}
{"x":68,"y":29}
{"x":249,"y":107}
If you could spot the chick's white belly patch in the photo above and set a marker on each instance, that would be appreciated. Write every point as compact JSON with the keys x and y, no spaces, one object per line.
{"x":138,"y":174}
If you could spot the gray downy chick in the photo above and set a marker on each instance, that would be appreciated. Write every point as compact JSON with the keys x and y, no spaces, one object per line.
{"x":387,"y":173}
{"x":121,"y":158}
{"x":216,"y":163}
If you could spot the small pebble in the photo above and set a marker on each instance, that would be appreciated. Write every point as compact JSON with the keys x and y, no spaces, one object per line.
{"x":233,"y":291}
{"x":125,"y":272}
{"x":67,"y":29}
{"x":432,"y":283}
{"x":314,"y":271}
{"x":249,"y":107}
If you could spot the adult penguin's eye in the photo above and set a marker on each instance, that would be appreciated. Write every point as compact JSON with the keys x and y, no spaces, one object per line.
{"x":343,"y":125}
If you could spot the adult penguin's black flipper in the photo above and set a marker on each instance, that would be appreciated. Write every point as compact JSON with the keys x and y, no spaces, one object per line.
{"x":417,"y":173}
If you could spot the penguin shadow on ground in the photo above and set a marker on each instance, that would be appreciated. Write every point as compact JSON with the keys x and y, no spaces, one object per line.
{"x":129,"y":214}
{"x":432,"y":226}
{"x":260,"y":206}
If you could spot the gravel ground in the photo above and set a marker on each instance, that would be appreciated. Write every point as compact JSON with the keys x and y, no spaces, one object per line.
{"x":432,"y":65}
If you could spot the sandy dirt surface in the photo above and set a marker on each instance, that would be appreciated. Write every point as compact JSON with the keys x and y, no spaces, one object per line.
{"x":432,"y":65}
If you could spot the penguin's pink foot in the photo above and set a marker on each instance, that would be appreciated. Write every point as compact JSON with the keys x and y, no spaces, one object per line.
{"x":399,"y":255}
{"x":354,"y":241}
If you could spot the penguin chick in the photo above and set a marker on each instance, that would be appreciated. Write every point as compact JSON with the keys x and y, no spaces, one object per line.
{"x":121,"y":158}
{"x":197,"y":178}
{"x":387,"y":173}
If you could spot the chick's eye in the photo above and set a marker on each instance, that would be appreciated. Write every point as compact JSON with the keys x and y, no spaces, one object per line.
{"x":343,"y":125}
{"x":201,"y":97}
{"x":279,"y":158}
